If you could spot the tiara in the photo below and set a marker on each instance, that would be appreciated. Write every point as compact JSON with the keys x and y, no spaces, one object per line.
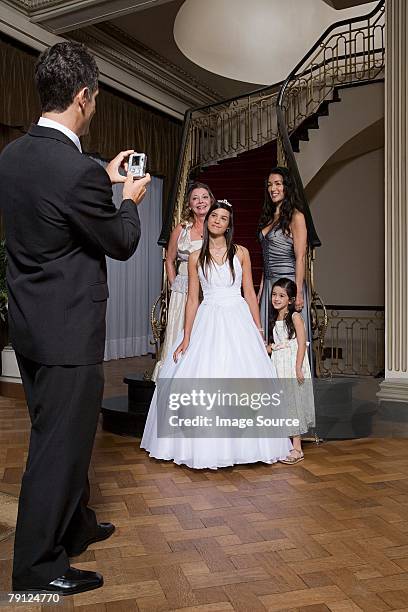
{"x":224,"y":202}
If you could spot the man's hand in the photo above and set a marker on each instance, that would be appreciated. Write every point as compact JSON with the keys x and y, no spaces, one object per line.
{"x":113,"y":167}
{"x":135,"y":190}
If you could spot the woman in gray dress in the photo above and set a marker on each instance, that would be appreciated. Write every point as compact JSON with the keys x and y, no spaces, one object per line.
{"x":283,"y":237}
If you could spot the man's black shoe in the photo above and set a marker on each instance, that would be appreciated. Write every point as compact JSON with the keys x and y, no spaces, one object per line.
{"x":73,"y":581}
{"x":103,"y":532}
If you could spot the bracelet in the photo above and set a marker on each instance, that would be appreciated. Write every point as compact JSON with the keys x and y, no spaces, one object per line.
{"x":261,"y":329}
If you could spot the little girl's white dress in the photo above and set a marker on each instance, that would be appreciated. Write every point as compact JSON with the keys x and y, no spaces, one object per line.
{"x":302,"y":406}
{"x":224,"y":343}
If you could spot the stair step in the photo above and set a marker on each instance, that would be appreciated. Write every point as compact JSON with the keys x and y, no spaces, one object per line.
{"x":259,"y":169}
{"x":302,"y":133}
{"x":312,"y":122}
{"x":336,"y":96}
{"x":233,"y":179}
{"x":294,"y":141}
{"x":258,"y":172}
{"x":323,"y":109}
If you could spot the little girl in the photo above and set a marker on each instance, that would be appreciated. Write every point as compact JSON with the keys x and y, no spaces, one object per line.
{"x":289,"y":356}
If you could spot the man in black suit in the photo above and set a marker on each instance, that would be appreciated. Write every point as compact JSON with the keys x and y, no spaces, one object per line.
{"x":60,"y":223}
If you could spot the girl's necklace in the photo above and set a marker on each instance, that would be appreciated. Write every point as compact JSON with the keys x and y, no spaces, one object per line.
{"x":218,"y":252}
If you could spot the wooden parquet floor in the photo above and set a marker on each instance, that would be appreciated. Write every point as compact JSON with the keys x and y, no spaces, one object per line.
{"x":328,"y":534}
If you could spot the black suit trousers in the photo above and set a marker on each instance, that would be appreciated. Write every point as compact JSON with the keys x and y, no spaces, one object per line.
{"x":53,"y":518}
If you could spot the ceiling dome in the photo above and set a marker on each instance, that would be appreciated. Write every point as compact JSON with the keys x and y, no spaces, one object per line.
{"x":257,"y":41}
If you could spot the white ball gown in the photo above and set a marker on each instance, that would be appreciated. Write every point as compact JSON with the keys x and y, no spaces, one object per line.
{"x":224,"y":343}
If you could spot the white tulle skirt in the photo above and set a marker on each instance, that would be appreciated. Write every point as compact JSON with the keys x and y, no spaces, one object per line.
{"x":175,"y":325}
{"x":224,"y":343}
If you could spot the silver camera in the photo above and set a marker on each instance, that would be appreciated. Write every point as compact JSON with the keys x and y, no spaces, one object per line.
{"x":137,"y":165}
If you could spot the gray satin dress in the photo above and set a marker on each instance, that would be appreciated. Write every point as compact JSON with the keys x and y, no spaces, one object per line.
{"x":279,"y":261}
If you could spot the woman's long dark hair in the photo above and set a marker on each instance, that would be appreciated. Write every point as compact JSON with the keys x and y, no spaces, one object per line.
{"x":205,"y":259}
{"x":289,"y":205}
{"x":290,"y":287}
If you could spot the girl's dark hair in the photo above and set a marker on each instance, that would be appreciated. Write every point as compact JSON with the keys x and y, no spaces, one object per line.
{"x":205,"y":258}
{"x":187,"y":214}
{"x":61,"y":72}
{"x":290,"y":287}
{"x":289,"y":205}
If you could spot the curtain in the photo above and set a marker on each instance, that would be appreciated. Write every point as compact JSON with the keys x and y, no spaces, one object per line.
{"x":135,"y":284}
{"x":120,"y":122}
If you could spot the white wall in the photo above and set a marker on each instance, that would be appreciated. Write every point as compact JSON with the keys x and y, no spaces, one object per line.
{"x":347,"y":204}
{"x":259,"y":41}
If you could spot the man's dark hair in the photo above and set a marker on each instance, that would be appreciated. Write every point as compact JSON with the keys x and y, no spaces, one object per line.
{"x":61,"y":72}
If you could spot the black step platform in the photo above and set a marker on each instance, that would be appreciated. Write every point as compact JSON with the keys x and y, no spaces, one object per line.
{"x":126,"y":414}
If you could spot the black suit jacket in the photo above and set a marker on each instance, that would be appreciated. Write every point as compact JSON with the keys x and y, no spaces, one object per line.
{"x":60,"y":223}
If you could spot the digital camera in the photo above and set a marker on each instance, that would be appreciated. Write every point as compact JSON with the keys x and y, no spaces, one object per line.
{"x":137,"y":165}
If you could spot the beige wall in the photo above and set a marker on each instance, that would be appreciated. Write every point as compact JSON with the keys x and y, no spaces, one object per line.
{"x":359,"y":111}
{"x":347,"y":204}
{"x":237,"y":38}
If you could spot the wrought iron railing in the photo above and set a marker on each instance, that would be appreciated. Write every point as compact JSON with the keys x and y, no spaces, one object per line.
{"x":223,"y":130}
{"x":220,"y":131}
{"x":354,"y":341}
{"x":348,"y":52}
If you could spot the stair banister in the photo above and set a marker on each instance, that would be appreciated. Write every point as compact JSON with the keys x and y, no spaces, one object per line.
{"x":287,"y":150}
{"x":168,"y":221}
{"x":320,"y":40}
{"x":184,"y":164}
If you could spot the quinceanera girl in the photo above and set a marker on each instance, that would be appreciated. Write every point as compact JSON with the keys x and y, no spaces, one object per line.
{"x":222,"y":339}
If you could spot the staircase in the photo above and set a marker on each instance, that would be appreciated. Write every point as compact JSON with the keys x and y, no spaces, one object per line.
{"x":241,"y":180}
{"x":355,"y":109}
{"x":232,"y":145}
{"x":301,"y":133}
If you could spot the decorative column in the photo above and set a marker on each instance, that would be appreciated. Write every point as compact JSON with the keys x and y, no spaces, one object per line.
{"x":395,"y":385}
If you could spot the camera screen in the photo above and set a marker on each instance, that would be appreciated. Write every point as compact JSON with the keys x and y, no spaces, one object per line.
{"x":136,"y":160}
